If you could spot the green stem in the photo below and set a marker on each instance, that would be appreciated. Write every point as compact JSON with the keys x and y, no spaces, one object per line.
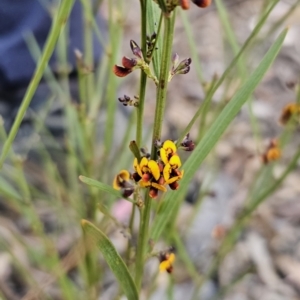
{"x":158,"y":119}
{"x":88,"y":49}
{"x":143,"y":230}
{"x":140,"y":109}
{"x":142,"y":240}
{"x":163,"y":80}
{"x":143,"y":80}
{"x":57,"y":26}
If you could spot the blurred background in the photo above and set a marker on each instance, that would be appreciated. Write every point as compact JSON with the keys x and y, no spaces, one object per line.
{"x":75,"y":126}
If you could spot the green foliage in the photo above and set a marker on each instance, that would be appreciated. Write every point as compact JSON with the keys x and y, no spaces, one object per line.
{"x":173,"y":200}
{"x":112,"y":258}
{"x":84,"y":158}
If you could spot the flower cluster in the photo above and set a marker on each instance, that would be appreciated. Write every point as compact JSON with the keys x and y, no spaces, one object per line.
{"x":138,"y":62}
{"x":127,"y":101}
{"x":154,"y":174}
{"x":157,"y":174}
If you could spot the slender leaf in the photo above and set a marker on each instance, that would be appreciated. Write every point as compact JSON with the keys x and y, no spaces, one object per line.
{"x":7,"y":189}
{"x":230,"y":35}
{"x":112,"y":258}
{"x":236,"y":59}
{"x":102,"y":186}
{"x":173,"y":199}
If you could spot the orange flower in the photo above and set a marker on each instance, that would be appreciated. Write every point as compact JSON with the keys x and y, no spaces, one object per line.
{"x":288,"y":112}
{"x":272,"y":153}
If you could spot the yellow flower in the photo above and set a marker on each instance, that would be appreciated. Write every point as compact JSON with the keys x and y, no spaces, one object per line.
{"x":121,"y":179}
{"x":166,"y":262}
{"x":121,"y":182}
{"x":146,"y":166}
{"x":167,"y":151}
{"x":148,"y":175}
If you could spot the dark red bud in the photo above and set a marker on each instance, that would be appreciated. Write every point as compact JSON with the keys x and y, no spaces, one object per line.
{"x":136,"y":177}
{"x":174,"y":185}
{"x":202,"y":3}
{"x":146,"y":177}
{"x":187,"y":143}
{"x":161,"y":180}
{"x":185,"y":4}
{"x":160,"y":166}
{"x":153,"y":192}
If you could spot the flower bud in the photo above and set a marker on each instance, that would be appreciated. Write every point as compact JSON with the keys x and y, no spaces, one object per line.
{"x":183,"y":67}
{"x":185,"y":4}
{"x":153,"y":192}
{"x":202,"y":3}
{"x":175,"y":60}
{"x":187,"y":144}
{"x":136,"y":50}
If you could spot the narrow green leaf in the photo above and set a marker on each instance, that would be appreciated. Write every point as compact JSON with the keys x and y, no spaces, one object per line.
{"x":100,"y":185}
{"x":8,"y":190}
{"x":103,"y":187}
{"x":112,"y":258}
{"x":192,"y":44}
{"x":173,"y":199}
{"x":230,"y":35}
{"x":235,"y":61}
